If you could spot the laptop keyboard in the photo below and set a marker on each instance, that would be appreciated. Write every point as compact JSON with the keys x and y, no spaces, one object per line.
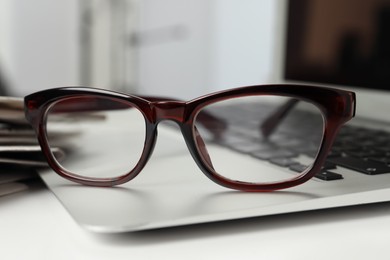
{"x":364,"y":150}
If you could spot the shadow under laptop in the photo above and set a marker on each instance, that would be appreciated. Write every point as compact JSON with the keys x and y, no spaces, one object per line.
{"x":123,"y":203}
{"x":265,"y":227}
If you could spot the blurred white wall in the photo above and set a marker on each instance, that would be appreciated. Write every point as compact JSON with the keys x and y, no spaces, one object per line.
{"x":5,"y":29}
{"x":39,"y":44}
{"x":174,"y":53}
{"x":224,"y":44}
{"x":244,"y":42}
{"x":183,"y":48}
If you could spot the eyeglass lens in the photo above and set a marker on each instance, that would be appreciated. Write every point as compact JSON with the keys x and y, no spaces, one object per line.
{"x":248,"y":132}
{"x":101,"y":137}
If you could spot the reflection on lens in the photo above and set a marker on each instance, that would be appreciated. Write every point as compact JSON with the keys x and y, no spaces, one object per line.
{"x":101,"y":137}
{"x":259,"y":139}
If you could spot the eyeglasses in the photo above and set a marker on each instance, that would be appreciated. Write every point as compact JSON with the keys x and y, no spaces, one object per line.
{"x":107,"y":137}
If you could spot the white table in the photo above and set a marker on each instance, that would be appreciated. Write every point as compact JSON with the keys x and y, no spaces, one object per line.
{"x":34,"y":225}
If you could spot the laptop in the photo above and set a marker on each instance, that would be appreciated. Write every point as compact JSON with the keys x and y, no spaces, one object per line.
{"x":172,"y":191}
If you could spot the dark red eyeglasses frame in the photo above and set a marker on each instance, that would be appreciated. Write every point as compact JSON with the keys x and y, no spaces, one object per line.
{"x":337,"y":106}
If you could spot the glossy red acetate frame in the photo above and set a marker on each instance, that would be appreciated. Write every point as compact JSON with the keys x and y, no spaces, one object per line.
{"x":337,"y":107}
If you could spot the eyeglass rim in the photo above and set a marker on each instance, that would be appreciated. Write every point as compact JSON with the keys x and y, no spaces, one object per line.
{"x":337,"y":106}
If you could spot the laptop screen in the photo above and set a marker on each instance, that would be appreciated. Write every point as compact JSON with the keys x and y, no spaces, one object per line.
{"x":338,"y":42}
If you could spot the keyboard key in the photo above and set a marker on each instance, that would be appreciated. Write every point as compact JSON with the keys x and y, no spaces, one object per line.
{"x":283,"y":162}
{"x":385,"y":160}
{"x":363,"y":153}
{"x":329,"y":166}
{"x":328,"y":176}
{"x":269,"y":154}
{"x":364,"y":166}
{"x":298,"y":167}
{"x":325,"y":174}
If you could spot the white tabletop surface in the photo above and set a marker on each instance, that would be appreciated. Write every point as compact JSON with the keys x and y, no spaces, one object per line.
{"x":34,"y":225}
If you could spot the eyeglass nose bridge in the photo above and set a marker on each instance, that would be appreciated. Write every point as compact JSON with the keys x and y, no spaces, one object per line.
{"x":175,"y":110}
{"x":169,"y":110}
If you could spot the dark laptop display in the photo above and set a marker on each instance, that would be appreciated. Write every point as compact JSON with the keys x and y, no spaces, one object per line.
{"x":339,"y":42}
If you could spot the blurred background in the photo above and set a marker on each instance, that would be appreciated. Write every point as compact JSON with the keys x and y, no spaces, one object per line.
{"x":181,"y":48}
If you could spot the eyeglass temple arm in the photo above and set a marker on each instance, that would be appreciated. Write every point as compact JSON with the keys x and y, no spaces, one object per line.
{"x":217,"y":125}
{"x":273,"y":120}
